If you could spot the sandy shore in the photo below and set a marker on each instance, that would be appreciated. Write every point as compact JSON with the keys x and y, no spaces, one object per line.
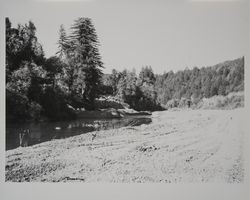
{"x":177,"y":147}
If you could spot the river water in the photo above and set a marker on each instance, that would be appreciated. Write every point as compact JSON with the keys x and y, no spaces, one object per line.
{"x":45,"y":131}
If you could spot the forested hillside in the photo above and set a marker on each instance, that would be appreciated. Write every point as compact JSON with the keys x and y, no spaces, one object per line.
{"x":220,"y":79}
{"x":149,"y":90}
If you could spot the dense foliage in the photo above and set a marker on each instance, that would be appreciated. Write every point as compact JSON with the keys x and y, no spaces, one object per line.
{"x":195,"y":84}
{"x":24,"y":74}
{"x":148,"y":91}
{"x":54,"y":87}
{"x":82,"y":70}
{"x":138,"y":92}
{"x":38,"y":86}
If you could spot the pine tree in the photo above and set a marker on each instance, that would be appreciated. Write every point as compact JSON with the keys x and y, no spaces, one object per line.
{"x":65,"y":53}
{"x":146,"y":75}
{"x":63,"y":44}
{"x":87,"y":60}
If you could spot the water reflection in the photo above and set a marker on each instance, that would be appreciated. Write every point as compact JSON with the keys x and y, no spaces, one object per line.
{"x":45,"y":131}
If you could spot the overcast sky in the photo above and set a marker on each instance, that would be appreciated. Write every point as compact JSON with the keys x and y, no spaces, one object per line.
{"x":167,"y":35}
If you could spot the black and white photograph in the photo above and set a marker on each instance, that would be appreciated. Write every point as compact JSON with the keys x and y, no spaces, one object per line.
{"x":125,"y":91}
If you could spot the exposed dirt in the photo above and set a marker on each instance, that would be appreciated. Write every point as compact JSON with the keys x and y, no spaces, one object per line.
{"x":178,"y":146}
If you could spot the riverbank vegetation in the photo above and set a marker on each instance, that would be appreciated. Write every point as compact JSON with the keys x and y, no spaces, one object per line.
{"x":55,"y":87}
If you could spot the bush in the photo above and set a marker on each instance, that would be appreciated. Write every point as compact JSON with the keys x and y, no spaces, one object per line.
{"x":173,"y":103}
{"x":184,"y":102}
{"x":55,"y":106}
{"x":18,"y":108}
{"x":231,"y":101}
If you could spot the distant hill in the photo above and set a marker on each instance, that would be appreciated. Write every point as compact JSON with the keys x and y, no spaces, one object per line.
{"x":147,"y":91}
{"x":197,"y":83}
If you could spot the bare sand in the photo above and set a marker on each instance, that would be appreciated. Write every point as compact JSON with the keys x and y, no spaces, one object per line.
{"x":187,"y":146}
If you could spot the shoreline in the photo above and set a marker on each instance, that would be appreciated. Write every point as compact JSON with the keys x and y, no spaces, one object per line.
{"x":109,"y":113}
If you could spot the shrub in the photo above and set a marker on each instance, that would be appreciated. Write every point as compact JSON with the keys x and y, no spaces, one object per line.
{"x":55,"y":106}
{"x":18,"y":107}
{"x":231,"y":101}
{"x":173,"y":103}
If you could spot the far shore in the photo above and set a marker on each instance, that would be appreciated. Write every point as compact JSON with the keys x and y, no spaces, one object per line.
{"x":110,"y":113}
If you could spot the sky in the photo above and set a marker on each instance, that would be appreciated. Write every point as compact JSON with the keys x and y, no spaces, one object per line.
{"x":164,"y":34}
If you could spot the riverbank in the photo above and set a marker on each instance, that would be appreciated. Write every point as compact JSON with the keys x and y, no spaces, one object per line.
{"x":109,"y":113}
{"x":178,"y":146}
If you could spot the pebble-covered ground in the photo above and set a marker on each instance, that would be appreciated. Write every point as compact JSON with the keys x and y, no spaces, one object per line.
{"x":177,"y":147}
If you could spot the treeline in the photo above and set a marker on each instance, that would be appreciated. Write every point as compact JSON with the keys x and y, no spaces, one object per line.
{"x":37,"y":86}
{"x":149,"y":91}
{"x":137,"y":91}
{"x":196,"y":83}
{"x":72,"y":79}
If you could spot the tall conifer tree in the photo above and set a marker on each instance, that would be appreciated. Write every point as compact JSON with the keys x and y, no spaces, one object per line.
{"x":87,"y":60}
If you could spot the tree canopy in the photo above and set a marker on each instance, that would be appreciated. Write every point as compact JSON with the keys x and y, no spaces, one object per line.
{"x":49,"y":84}
{"x":50,"y":87}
